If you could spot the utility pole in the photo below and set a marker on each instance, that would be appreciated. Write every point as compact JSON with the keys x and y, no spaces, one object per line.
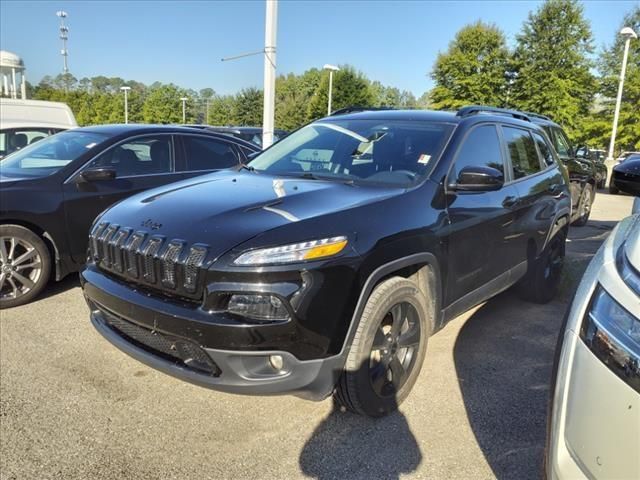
{"x":184,"y":109}
{"x":331,"y":68}
{"x":64,"y":36}
{"x":268,"y":113}
{"x":126,"y":104}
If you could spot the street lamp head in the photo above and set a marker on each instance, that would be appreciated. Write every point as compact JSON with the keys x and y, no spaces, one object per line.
{"x":125,"y":89}
{"x":628,"y":32}
{"x":184,"y":99}
{"x":331,"y":68}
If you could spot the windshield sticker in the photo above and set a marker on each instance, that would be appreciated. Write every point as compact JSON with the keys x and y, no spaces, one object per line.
{"x":424,"y":158}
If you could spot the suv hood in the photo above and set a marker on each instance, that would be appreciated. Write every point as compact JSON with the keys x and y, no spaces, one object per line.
{"x":225,"y":209}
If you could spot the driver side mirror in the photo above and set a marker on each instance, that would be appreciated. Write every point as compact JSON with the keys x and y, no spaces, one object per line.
{"x":478,"y":179}
{"x":98,"y":174}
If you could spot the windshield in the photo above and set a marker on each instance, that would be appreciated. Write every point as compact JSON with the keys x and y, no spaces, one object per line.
{"x":369,"y":151}
{"x":50,"y":154}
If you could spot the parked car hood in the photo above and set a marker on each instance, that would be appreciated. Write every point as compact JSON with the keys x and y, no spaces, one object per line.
{"x":224,"y":209}
{"x":628,"y":166}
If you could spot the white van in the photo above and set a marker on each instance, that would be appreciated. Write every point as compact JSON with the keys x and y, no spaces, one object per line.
{"x":23,"y":122}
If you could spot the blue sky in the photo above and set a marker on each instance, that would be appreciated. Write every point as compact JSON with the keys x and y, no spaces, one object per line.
{"x":182,"y":42}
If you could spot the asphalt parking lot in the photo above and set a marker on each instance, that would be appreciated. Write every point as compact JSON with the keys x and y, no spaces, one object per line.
{"x":72,"y":406}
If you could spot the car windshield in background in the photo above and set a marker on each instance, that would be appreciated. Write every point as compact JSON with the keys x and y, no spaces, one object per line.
{"x":391,"y":152}
{"x":50,"y":154}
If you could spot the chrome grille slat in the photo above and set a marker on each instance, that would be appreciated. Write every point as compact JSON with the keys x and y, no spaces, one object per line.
{"x":165,"y":264}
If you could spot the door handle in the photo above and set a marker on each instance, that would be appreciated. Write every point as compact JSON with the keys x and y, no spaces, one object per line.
{"x":509,"y":201}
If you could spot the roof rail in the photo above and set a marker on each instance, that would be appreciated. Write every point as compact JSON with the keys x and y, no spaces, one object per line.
{"x":474,"y":109}
{"x":537,"y":115}
{"x":353,"y":109}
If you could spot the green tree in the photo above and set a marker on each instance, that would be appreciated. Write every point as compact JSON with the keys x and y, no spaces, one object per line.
{"x":552,"y":64}
{"x":350,"y":88}
{"x":597,"y":131}
{"x":473,"y":70}
{"x":293,"y":94}
{"x":221,"y":110}
{"x":247,"y":107}
{"x":163,"y":105}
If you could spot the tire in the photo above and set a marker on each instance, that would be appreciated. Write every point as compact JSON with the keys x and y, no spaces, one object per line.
{"x":377,"y":380}
{"x":613,"y":190}
{"x":25,"y":265}
{"x":584,"y":206}
{"x":541,"y":282}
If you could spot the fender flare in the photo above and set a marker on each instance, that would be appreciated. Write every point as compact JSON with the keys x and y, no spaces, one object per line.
{"x":422,"y":259}
{"x":562,"y":219}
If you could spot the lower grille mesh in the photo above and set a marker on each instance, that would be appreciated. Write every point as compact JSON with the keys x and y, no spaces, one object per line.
{"x":178,"y":350}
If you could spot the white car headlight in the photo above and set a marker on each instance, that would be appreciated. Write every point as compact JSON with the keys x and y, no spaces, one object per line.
{"x":295,"y":252}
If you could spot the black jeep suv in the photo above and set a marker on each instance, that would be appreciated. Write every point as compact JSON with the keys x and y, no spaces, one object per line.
{"x":325,"y":265}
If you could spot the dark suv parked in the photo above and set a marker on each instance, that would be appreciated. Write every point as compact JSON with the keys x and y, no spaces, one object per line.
{"x":325,"y":265}
{"x":583,"y":173}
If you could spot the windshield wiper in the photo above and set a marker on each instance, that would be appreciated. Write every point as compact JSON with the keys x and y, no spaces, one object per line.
{"x":246,"y":167}
{"x":332,"y":178}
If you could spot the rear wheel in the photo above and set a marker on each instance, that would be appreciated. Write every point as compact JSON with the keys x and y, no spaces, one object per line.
{"x":387,"y":351}
{"x":25,"y":265}
{"x":542,"y":280}
{"x":585,"y":206}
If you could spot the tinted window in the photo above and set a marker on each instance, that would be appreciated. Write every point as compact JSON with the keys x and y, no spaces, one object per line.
{"x":561,"y":143}
{"x":522,"y":151}
{"x":208,"y":154}
{"x":545,"y":151}
{"x":142,"y":156}
{"x":371,"y":151}
{"x":480,"y":148}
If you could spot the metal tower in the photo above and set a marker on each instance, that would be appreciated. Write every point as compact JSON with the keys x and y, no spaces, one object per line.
{"x":64,"y":36}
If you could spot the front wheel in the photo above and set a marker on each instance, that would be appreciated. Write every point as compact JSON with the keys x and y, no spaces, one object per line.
{"x":25,"y":265}
{"x":388,"y":349}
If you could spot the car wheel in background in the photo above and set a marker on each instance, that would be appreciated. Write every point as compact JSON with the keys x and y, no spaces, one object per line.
{"x":388,"y":349}
{"x":25,"y":265}
{"x":541,"y":282}
{"x":584,"y":206}
{"x":613,"y":190}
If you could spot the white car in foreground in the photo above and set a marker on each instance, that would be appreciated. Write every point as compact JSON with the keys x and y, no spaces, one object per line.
{"x":594,"y":429}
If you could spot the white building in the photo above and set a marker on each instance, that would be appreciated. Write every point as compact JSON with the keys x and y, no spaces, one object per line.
{"x":12,"y":67}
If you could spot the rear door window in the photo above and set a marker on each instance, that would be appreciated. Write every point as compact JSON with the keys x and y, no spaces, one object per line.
{"x":202,"y":153}
{"x":545,"y":151}
{"x":522,"y":152}
{"x":563,"y":147}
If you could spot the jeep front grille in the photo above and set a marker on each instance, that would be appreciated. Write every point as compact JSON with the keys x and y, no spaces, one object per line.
{"x":151,"y":260}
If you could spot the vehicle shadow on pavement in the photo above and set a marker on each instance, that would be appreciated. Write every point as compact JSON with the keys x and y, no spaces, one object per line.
{"x":504,"y":357}
{"x":55,"y":288}
{"x":346,"y":445}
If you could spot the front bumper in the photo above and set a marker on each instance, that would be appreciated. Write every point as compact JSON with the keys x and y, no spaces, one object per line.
{"x":160,"y":334}
{"x":627,"y":183}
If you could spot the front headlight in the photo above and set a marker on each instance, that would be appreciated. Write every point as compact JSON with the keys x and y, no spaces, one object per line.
{"x":613,"y":335}
{"x":295,"y":252}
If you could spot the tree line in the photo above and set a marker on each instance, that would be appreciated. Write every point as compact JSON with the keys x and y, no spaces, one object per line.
{"x":299,"y":99}
{"x":552,"y":69}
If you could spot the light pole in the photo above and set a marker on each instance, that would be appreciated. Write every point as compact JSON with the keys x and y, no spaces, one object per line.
{"x":331,"y":68}
{"x":126,"y":104}
{"x":628,"y":34}
{"x":184,"y":109}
